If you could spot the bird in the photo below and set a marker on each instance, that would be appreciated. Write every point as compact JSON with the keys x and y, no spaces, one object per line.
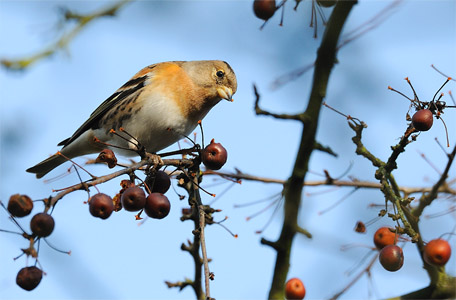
{"x":157,"y":107}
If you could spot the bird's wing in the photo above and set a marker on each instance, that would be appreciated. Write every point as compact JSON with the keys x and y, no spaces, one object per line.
{"x":127,"y":90}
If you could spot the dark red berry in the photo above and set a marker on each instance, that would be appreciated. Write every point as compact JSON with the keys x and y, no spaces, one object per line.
{"x":28,"y":278}
{"x":437,"y":252}
{"x":159,"y":182}
{"x":125,"y":184}
{"x":326,"y":3}
{"x":264,"y":9}
{"x":20,"y":205}
{"x":42,"y":224}
{"x":157,"y":206}
{"x":133,"y":198}
{"x":422,"y":120}
{"x":101,"y":206}
{"x":214,"y":156}
{"x":391,"y":257}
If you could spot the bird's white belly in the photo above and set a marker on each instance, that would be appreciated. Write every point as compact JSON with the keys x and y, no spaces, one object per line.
{"x":158,"y":124}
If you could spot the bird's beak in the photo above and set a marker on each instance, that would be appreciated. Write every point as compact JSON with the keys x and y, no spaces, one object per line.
{"x":225,"y":93}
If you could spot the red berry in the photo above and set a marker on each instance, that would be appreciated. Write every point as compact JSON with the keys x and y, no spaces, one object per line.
{"x":294,"y":289}
{"x":384,"y":237}
{"x":20,"y":205}
{"x":422,"y":120}
{"x":264,"y":9}
{"x":326,"y":3}
{"x":214,"y":156}
{"x":437,"y":252}
{"x":391,"y":257}
{"x":101,"y":206}
{"x":133,"y":198}
{"x":42,"y":224}
{"x":28,"y":278}
{"x":159,"y":182}
{"x":157,"y":206}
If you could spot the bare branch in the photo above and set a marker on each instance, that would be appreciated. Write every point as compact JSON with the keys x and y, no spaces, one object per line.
{"x":407,"y":190}
{"x":432,"y":194}
{"x":299,"y":117}
{"x":65,"y":39}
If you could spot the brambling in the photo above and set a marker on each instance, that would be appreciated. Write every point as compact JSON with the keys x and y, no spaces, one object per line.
{"x":160,"y":105}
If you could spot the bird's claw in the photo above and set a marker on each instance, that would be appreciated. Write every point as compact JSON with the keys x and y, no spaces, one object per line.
{"x":155,"y":160}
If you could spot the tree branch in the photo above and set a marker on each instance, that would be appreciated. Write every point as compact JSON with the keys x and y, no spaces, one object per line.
{"x":407,"y":190}
{"x":427,"y":198}
{"x":293,"y":188}
{"x":81,"y":22}
{"x":148,"y":160}
{"x":299,"y":117}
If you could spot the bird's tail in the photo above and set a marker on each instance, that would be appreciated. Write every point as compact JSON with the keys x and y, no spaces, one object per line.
{"x":47,"y":165}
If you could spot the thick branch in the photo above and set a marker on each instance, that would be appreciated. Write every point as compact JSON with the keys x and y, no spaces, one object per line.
{"x":293,"y":188}
{"x":444,"y":291}
{"x":202,"y":225}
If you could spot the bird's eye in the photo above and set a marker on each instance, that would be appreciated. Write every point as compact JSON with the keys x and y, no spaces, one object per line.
{"x":220,"y":74}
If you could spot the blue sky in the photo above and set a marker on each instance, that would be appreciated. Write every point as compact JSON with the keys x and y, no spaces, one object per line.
{"x":116,"y":258}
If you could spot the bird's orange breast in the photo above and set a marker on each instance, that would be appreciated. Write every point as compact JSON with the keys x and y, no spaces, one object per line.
{"x":170,"y":80}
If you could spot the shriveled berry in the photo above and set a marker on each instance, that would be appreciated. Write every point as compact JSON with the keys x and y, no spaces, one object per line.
{"x":42,"y":224}
{"x":264,"y":9}
{"x":28,"y":278}
{"x":101,"y":206}
{"x":360,"y":227}
{"x":133,"y":198}
{"x":157,"y":206}
{"x":422,"y":120}
{"x":384,"y":237}
{"x":294,"y":289}
{"x":20,"y":205}
{"x":108,"y":157}
{"x":437,"y":252}
{"x":159,"y":182}
{"x":117,"y":203}
{"x":214,"y":156}
{"x":391,"y":258}
{"x":125,"y":184}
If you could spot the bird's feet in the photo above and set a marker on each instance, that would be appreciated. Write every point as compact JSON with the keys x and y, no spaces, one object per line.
{"x":155,"y":160}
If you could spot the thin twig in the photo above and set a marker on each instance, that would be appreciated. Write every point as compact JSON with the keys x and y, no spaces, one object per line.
{"x":298,"y":117}
{"x":444,"y":189}
{"x":65,"y":39}
{"x":357,"y":277}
